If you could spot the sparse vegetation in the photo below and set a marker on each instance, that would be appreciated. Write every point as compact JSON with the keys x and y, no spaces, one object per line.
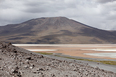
{"x":108,"y":62}
{"x":44,"y":53}
{"x":104,"y":62}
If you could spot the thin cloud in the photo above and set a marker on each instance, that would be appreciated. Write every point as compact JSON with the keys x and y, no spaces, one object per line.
{"x":96,"y":13}
{"x":105,"y":1}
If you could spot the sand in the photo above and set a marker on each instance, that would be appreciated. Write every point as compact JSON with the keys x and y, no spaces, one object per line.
{"x":74,"y":49}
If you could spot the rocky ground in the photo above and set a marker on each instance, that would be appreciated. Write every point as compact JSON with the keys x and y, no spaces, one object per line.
{"x":17,"y":62}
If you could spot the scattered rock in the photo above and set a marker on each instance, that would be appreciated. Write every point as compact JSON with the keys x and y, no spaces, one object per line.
{"x":17,"y":62}
{"x":29,"y":58}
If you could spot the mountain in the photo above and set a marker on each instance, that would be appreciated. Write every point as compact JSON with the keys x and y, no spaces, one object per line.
{"x":55,"y":30}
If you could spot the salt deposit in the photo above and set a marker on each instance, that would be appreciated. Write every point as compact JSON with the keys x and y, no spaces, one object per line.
{"x":67,"y":45}
{"x":101,"y":49}
{"x":112,"y":55}
{"x":17,"y":62}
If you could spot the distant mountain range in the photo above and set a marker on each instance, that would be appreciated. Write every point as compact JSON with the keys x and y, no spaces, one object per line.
{"x":55,"y":30}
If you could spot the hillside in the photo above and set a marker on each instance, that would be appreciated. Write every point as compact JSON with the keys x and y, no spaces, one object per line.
{"x":55,"y":30}
{"x":17,"y":62}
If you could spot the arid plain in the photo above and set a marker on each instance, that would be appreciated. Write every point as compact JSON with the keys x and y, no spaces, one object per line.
{"x":101,"y":51}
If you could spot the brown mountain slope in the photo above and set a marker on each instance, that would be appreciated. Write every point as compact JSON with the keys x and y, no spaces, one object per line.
{"x":58,"y":30}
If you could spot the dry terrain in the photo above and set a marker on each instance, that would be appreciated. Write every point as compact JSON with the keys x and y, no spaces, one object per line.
{"x":55,"y":30}
{"x":18,"y":62}
{"x":74,"y":49}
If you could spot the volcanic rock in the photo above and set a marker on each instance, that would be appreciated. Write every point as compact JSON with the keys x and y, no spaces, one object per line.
{"x":18,"y":62}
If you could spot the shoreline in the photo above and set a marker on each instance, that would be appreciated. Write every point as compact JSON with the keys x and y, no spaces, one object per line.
{"x":91,"y":63}
{"x":73,"y":49}
{"x":16,"y":61}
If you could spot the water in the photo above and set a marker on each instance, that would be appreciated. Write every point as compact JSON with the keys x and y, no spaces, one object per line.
{"x":69,"y":45}
{"x":111,"y":55}
{"x":101,"y":49}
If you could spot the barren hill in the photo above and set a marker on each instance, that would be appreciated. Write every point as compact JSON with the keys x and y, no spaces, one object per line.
{"x":54,"y":30}
{"x":17,"y":62}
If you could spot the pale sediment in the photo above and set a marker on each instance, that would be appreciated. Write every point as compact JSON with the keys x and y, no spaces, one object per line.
{"x":18,"y":62}
{"x":74,"y":49}
{"x":112,"y":55}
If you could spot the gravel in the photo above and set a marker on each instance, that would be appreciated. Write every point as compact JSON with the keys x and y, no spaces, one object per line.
{"x":17,"y":62}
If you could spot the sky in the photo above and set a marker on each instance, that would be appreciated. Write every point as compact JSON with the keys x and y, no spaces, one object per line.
{"x":96,"y":13}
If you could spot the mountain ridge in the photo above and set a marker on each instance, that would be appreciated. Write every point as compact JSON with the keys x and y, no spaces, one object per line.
{"x":55,"y":30}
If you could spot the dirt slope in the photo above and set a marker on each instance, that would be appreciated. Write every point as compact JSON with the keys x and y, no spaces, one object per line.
{"x":17,"y":62}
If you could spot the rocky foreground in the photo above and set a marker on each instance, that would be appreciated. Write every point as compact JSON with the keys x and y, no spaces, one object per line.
{"x":17,"y":62}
